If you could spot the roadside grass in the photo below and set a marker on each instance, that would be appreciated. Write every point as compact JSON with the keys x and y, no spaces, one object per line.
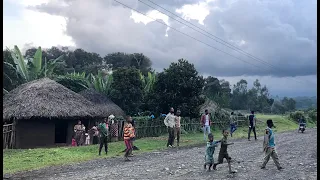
{"x":18,"y":160}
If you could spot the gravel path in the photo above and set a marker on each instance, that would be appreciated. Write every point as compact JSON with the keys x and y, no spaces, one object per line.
{"x":297,"y":152}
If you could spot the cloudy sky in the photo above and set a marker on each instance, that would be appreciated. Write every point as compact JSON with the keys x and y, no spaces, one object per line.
{"x":280,"y":34}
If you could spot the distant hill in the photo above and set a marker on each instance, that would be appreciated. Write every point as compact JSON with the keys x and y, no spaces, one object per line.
{"x":304,"y":102}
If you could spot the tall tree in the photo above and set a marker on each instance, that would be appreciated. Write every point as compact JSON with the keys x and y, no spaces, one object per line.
{"x":240,"y":95}
{"x":180,"y":86}
{"x":127,"y":90}
{"x":288,"y":103}
{"x":212,"y":87}
{"x":137,"y":60}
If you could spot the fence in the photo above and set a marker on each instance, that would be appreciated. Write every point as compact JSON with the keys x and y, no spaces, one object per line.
{"x":156,"y":127}
{"x":8,"y":136}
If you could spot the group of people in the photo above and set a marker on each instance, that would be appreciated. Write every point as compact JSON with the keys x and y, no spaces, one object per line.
{"x":268,"y":143}
{"x":172,"y":121}
{"x":99,"y":131}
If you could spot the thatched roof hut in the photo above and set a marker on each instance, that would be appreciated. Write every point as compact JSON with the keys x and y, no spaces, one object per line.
{"x":46,"y":98}
{"x":101,"y":101}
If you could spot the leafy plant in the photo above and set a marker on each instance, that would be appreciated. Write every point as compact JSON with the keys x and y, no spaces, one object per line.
{"x":32,"y":68}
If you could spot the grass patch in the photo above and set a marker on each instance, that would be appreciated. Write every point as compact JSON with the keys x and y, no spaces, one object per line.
{"x":17,"y":160}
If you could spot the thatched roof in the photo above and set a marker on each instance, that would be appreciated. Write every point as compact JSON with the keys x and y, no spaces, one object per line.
{"x":107,"y":107}
{"x":46,"y":98}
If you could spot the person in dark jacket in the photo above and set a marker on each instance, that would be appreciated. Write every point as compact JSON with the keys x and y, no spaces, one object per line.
{"x":252,"y":125}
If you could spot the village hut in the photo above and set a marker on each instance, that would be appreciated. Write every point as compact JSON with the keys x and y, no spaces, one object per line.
{"x":106,"y":107}
{"x":44,"y":113}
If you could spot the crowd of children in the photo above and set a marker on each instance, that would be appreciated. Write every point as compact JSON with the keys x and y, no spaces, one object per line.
{"x":172,"y":121}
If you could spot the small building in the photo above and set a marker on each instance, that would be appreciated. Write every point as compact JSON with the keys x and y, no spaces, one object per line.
{"x":44,"y":113}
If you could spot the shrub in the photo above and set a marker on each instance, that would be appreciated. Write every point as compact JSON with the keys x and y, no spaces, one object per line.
{"x":295,"y":116}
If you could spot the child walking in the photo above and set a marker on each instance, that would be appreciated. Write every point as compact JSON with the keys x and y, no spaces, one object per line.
{"x":177,"y":126}
{"x":103,"y":133}
{"x":233,"y":126}
{"x":128,"y":135}
{"x":211,"y":146}
{"x":269,"y":146}
{"x":223,"y":154}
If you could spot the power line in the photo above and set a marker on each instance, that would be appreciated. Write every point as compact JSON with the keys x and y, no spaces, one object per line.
{"x":186,"y":34}
{"x":190,"y":36}
{"x":225,"y":43}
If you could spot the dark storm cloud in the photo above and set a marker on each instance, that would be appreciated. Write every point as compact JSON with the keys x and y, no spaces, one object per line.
{"x":283,"y":33}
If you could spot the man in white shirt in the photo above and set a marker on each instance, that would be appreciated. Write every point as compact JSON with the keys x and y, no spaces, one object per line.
{"x":206,"y":123}
{"x":169,"y":121}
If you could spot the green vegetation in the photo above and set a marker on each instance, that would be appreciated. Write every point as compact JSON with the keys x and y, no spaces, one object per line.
{"x":22,"y":160}
{"x":306,"y":102}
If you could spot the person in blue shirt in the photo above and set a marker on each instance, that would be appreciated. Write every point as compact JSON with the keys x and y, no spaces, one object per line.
{"x":269,"y":146}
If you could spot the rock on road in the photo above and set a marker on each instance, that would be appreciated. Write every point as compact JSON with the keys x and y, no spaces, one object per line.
{"x":297,"y":153}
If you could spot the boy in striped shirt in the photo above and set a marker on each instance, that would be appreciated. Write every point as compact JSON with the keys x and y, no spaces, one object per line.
{"x":128,"y":135}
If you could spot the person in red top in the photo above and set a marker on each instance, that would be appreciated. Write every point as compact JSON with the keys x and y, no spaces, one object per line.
{"x":206,"y":123}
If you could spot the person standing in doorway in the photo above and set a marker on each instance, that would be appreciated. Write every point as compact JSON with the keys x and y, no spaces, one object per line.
{"x":103,"y":133}
{"x":252,"y":125}
{"x":79,"y":130}
{"x":269,"y":146}
{"x":169,"y":121}
{"x":177,"y":126}
{"x":206,"y":123}
{"x":95,"y":139}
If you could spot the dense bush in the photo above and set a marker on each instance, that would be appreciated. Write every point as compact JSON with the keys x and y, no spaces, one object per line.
{"x":310,"y":115}
{"x":296,"y":115}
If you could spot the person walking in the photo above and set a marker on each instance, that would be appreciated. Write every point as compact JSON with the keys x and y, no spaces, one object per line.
{"x":103,"y":133}
{"x":223,"y":153}
{"x":233,"y":126}
{"x":211,"y":146}
{"x":128,"y":135}
{"x":206,"y":123}
{"x":252,"y":125}
{"x":169,"y":121}
{"x":269,"y":146}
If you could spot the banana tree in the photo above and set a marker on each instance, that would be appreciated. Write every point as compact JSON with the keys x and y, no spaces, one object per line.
{"x":101,"y":82}
{"x":148,"y":81}
{"x":74,"y":81}
{"x":31,"y":69}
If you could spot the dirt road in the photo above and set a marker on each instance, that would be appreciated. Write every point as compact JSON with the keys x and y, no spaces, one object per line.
{"x":297,"y":152}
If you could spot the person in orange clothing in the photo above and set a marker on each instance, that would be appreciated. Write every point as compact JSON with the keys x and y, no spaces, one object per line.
{"x":128,"y":135}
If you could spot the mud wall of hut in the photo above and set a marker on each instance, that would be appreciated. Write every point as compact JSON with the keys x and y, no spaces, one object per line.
{"x":34,"y":133}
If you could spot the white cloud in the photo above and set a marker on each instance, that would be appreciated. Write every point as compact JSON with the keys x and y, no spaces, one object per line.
{"x":40,"y":29}
{"x":150,"y":17}
{"x":197,"y":11}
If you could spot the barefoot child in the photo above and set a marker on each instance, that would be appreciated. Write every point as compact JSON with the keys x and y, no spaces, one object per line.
{"x":128,"y":135}
{"x":211,"y":146}
{"x":223,"y":154}
{"x":269,"y":146}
